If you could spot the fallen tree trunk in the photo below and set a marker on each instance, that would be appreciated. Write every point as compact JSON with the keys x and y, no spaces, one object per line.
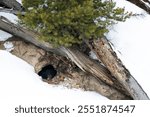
{"x":105,"y":53}
{"x":77,"y":57}
{"x":67,"y":74}
{"x":82,"y":61}
{"x":122,"y":77}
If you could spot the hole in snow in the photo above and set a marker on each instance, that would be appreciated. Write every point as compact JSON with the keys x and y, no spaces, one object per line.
{"x":48,"y":72}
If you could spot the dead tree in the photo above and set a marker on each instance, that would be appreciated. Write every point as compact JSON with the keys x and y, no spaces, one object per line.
{"x":114,"y":74}
{"x":80,"y":59}
{"x":106,"y":54}
{"x":67,"y":73}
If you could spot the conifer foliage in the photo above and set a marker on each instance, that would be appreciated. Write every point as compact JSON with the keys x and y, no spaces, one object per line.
{"x":67,"y":22}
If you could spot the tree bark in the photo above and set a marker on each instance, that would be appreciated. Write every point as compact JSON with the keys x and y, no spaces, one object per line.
{"x":106,"y":54}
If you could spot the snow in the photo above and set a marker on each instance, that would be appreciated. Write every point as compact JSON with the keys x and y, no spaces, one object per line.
{"x":4,"y":35}
{"x":20,"y":1}
{"x":131,"y":39}
{"x":19,"y":84}
{"x":129,"y":6}
{"x":18,"y":78}
{"x":8,"y":46}
{"x":10,"y":17}
{"x":92,"y":55}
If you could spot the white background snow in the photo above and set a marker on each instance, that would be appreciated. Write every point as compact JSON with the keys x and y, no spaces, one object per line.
{"x":130,"y":38}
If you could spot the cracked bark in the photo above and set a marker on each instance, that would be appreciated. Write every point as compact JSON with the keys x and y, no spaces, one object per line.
{"x":109,"y":58}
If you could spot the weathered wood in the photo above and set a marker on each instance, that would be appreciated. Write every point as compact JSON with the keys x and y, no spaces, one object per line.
{"x":80,"y":59}
{"x":83,"y":61}
{"x":77,"y":57}
{"x":88,"y":65}
{"x":67,"y":74}
{"x":106,"y":54}
{"x":28,"y":36}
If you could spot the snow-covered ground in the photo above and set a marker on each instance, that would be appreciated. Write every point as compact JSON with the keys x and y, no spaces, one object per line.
{"x":131,"y":38}
{"x":4,"y":35}
{"x":20,"y":1}
{"x":17,"y":78}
